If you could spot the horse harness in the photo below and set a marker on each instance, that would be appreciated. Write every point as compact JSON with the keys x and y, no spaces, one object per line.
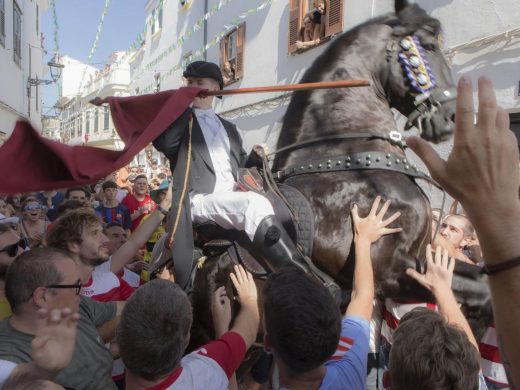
{"x":368,"y":160}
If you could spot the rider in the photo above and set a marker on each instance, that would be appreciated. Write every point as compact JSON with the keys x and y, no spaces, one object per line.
{"x":212,"y":194}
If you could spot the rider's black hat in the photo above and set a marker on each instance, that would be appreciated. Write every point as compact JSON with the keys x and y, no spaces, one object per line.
{"x":204,"y":69}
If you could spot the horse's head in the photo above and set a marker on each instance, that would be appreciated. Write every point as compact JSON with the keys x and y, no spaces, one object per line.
{"x":418,"y":80}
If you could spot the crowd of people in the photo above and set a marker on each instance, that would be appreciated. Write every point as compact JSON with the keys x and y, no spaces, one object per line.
{"x":91,"y":299}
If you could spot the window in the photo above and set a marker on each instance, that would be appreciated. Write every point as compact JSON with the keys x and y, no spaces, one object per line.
{"x":80,"y":125}
{"x":72,"y":127}
{"x":106,"y":118}
{"x":87,"y":122}
{"x":96,"y":121}
{"x":312,"y":22}
{"x":156,"y":19}
{"x":152,"y":21}
{"x":157,"y":82}
{"x":514,"y":119}
{"x":17,"y":34}
{"x":2,"y":22}
{"x":232,"y":55}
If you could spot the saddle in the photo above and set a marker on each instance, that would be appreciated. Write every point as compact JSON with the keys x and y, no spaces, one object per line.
{"x":213,"y":239}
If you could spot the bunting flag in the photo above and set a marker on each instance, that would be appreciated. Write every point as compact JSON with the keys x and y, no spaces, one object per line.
{"x":30,"y":162}
{"x":56,"y":42}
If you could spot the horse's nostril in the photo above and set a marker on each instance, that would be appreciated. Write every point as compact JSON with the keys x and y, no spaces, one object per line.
{"x":452,"y":118}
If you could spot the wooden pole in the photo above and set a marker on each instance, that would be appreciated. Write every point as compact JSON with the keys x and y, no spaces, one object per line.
{"x":291,"y":87}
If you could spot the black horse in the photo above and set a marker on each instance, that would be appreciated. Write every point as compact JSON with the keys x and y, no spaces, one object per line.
{"x":353,"y":129}
{"x":339,"y":147}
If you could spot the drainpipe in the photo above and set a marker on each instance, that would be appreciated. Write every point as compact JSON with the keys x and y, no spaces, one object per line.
{"x":29,"y":85}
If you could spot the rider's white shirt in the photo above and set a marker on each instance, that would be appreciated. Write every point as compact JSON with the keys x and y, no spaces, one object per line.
{"x":217,"y":141}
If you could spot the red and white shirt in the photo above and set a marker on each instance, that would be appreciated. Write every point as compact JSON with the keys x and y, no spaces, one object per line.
{"x":133,"y":204}
{"x":130,"y":277}
{"x":106,"y":287}
{"x":209,"y":367}
{"x":394,"y":310}
{"x":490,"y":362}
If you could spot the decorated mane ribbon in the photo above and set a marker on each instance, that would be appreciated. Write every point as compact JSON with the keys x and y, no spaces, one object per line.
{"x":411,"y":55}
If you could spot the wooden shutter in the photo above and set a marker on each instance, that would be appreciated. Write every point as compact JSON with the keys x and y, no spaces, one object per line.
{"x":223,"y":51}
{"x":294,"y":23}
{"x":241,"y":43}
{"x":334,"y":17}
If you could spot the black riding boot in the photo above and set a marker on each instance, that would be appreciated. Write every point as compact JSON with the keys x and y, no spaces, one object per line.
{"x":273,"y":247}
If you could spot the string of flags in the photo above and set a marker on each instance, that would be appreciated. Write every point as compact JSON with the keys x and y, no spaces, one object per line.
{"x":56,"y":27}
{"x":235,"y":22}
{"x":56,"y":42}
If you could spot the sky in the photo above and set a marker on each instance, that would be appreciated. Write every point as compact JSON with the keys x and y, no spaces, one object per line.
{"x":77,"y":24}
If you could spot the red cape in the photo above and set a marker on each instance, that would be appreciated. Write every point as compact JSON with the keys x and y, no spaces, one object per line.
{"x":30,"y":162}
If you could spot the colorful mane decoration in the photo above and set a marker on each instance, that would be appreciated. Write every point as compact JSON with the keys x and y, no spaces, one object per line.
{"x":411,"y":56}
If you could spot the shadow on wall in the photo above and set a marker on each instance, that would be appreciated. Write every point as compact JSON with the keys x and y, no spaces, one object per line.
{"x":503,"y":60}
{"x":429,"y":5}
{"x":261,"y":127}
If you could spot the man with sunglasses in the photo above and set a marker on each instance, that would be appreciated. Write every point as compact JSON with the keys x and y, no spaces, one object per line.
{"x":11,"y":245}
{"x":48,"y":279}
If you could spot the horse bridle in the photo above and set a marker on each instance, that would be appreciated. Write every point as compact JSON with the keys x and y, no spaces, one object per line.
{"x":427,"y":97}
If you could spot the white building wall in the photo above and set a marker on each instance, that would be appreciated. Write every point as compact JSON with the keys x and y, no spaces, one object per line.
{"x":74,"y":72}
{"x":14,"y":100}
{"x":78,"y":118}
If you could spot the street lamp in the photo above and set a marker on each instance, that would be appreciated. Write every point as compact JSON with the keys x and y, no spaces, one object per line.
{"x":55,"y":69}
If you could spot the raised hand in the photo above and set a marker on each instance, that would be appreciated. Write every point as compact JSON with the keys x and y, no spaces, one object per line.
{"x":221,"y":311}
{"x":484,"y":157}
{"x":167,"y":201}
{"x":439,"y":270}
{"x":245,"y":285}
{"x":373,"y":227}
{"x":54,"y":342}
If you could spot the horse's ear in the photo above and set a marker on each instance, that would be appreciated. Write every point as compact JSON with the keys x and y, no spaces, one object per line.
{"x":400,"y":5}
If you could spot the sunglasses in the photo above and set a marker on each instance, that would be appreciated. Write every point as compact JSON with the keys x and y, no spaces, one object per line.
{"x":77,"y":286}
{"x":12,"y":249}
{"x":31,"y":207}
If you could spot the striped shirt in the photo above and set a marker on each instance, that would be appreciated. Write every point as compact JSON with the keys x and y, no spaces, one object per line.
{"x":490,"y":362}
{"x":394,"y":310}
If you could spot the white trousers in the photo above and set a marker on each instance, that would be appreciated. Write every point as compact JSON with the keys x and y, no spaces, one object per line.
{"x":231,"y":210}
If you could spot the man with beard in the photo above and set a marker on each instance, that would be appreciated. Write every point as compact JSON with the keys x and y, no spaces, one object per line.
{"x":81,"y":235}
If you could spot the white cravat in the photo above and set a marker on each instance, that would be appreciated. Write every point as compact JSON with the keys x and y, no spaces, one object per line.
{"x":217,"y":142}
